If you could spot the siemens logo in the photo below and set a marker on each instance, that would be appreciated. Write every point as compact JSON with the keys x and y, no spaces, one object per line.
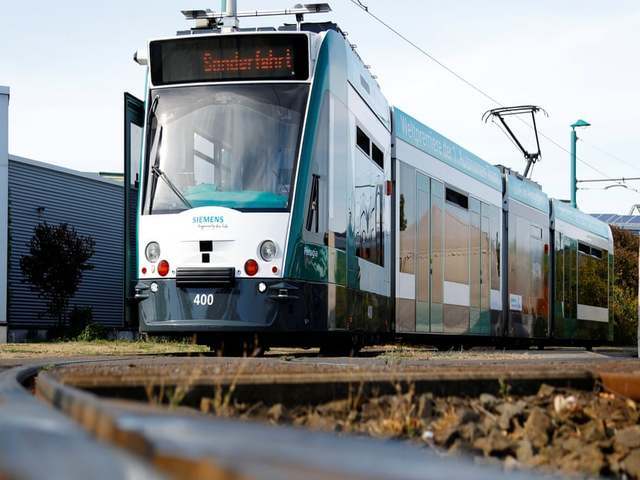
{"x":208,"y":220}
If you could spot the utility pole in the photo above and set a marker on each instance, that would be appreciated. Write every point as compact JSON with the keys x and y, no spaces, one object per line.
{"x":574,"y":188}
{"x":4,"y":210}
{"x":574,"y":141}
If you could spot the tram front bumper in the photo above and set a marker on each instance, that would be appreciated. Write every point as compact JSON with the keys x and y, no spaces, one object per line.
{"x":248,"y":306}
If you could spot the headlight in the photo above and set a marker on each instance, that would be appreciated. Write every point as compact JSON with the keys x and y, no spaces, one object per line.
{"x":268,"y":250}
{"x":152,"y":252}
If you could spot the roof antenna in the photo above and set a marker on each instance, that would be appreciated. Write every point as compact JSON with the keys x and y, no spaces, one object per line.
{"x":228,"y":19}
{"x":502,"y":112}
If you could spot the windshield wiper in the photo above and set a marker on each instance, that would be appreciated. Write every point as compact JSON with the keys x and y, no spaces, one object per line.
{"x":155,"y":143}
{"x":155,"y":169}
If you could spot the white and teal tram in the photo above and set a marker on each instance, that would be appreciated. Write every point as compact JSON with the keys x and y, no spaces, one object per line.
{"x":281,"y":196}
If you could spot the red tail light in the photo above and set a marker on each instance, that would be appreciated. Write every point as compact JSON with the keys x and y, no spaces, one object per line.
{"x":251,"y":267}
{"x":163,"y":268}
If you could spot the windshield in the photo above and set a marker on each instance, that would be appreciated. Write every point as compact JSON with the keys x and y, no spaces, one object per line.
{"x":231,"y":146}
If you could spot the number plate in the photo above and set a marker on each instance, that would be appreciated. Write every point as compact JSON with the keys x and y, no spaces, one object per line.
{"x":204,"y":299}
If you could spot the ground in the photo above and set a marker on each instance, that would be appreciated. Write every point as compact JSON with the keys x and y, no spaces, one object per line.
{"x":556,"y":410}
{"x":21,"y":351}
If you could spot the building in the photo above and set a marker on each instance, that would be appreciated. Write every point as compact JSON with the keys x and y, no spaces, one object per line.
{"x":4,"y":210}
{"x":625,"y":222}
{"x":33,"y":192}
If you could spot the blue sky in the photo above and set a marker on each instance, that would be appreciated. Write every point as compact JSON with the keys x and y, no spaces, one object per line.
{"x":69,"y":62}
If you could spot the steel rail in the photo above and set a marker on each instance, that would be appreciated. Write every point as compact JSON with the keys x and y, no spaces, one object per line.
{"x":123,"y":439}
{"x":37,"y":441}
{"x":190,"y":445}
{"x":299,"y":386}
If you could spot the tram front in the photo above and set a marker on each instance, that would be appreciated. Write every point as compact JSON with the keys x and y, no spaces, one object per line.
{"x":224,"y":121}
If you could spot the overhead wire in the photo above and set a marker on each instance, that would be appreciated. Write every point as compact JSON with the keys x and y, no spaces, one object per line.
{"x":365,"y":8}
{"x":613,"y":185}
{"x":611,"y":155}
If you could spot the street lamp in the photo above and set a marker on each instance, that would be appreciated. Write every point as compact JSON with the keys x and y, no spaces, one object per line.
{"x":574,"y":140}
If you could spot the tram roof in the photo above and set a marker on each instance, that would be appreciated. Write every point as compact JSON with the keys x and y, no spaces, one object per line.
{"x":427,"y":140}
{"x":526,"y":191}
{"x":566,"y":213}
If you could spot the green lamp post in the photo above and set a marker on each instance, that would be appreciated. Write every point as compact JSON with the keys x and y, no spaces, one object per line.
{"x":574,"y":140}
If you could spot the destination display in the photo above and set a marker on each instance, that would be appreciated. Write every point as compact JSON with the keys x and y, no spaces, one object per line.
{"x":229,"y":58}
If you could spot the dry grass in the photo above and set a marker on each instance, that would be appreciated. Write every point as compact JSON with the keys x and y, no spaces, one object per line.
{"x":406,"y":352}
{"x":95,"y":348}
{"x":402,"y":352}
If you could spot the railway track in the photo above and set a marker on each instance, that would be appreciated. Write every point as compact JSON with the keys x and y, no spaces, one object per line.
{"x":81,"y":418}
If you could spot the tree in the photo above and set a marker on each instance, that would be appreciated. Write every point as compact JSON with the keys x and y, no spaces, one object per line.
{"x":58,"y":257}
{"x":625,"y":287}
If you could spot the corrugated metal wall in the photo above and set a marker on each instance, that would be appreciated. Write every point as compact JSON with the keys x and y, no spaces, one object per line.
{"x":94,"y":207}
{"x":131,"y":317}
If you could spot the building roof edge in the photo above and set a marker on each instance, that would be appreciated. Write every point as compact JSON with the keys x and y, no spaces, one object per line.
{"x":87,"y":175}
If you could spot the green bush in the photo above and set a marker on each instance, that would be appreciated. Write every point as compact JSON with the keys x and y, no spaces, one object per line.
{"x":625,"y":312}
{"x":79,"y":318}
{"x":625,"y":288}
{"x":92,"y":332}
{"x":57,"y":260}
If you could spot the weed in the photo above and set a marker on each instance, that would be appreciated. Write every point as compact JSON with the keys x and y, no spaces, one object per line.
{"x":220,"y":404}
{"x":173,"y":396}
{"x":91,"y":332}
{"x":504,"y":388}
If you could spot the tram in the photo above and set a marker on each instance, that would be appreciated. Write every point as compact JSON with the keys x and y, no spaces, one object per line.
{"x":281,"y":197}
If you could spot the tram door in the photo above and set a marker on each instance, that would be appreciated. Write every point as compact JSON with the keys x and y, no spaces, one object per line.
{"x":423,"y":267}
{"x":133,"y":132}
{"x":437,"y":257}
{"x":485,"y":274}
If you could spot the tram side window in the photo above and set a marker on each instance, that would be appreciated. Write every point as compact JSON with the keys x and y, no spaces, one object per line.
{"x":570,"y":248}
{"x":437,"y":249}
{"x":520,"y":260}
{"x":456,"y":232}
{"x":407,"y":218}
{"x":586,"y":249}
{"x":369,"y":218}
{"x":458,"y":198}
{"x":363,"y":141}
{"x":136,"y":134}
{"x":475,"y":252}
{"x":337,"y":192}
{"x":559,"y":271}
{"x":369,"y":202}
{"x":537,"y":285}
{"x":377,"y":155}
{"x":369,"y":148}
{"x":593,"y":276}
{"x":495,"y":216}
